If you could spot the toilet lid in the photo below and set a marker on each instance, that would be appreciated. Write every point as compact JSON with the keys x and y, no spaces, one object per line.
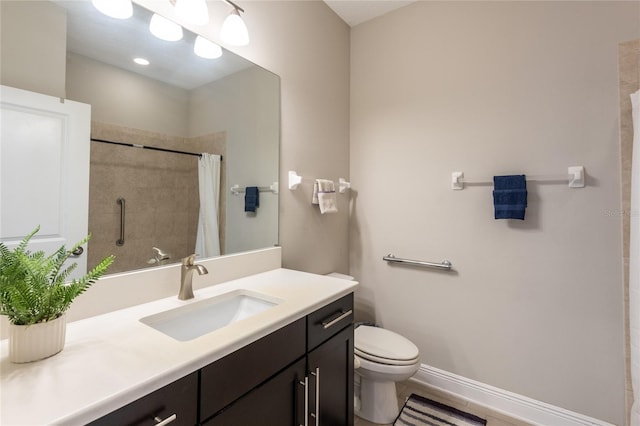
{"x":380,"y":345}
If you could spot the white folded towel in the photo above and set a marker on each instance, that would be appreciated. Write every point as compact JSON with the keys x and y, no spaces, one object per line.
{"x":324,"y":194}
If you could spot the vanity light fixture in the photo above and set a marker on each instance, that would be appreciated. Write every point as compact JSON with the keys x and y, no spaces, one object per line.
{"x":234,"y":31}
{"x":206,"y":49}
{"x":141,"y":61}
{"x":164,"y":29}
{"x":119,"y":9}
{"x":193,"y":11}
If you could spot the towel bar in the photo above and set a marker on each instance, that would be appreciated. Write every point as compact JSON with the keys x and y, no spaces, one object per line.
{"x":575,"y":178}
{"x":237,"y":189}
{"x":445,"y":264}
{"x":295,"y":179}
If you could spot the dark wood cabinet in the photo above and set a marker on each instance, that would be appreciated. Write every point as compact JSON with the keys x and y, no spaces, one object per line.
{"x":277,"y":402}
{"x":330,"y":363}
{"x":324,"y":395}
{"x":175,"y":404}
{"x":330,"y":366}
{"x":303,"y":371}
{"x":233,"y":376}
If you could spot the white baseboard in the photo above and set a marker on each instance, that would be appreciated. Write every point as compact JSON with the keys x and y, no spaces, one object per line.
{"x":505,"y":402}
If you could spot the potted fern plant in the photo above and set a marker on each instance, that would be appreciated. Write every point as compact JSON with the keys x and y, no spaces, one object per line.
{"x":35,"y":296}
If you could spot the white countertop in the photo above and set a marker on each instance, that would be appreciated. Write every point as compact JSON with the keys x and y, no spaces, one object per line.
{"x":113,"y":359}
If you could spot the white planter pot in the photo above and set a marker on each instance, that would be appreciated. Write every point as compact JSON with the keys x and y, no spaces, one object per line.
{"x":29,"y":343}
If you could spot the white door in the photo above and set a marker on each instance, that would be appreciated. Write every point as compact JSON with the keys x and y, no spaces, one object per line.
{"x":44,"y":171}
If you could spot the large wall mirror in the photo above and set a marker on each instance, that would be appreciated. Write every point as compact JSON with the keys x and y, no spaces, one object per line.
{"x":227,"y":107}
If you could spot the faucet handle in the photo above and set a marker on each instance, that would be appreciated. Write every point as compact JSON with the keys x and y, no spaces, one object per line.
{"x":189,"y":260}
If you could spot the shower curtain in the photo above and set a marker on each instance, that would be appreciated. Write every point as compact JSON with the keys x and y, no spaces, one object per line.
{"x":634,"y":263}
{"x":208,"y":237}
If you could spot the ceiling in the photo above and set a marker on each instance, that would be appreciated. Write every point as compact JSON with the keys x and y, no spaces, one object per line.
{"x":117,"y":42}
{"x":354,"y":12}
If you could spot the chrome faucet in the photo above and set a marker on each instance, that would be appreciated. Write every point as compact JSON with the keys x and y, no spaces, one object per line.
{"x":160,"y":257}
{"x":186,"y":286}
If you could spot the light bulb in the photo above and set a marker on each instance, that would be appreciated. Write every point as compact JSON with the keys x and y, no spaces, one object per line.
{"x":193,"y":11}
{"x":206,"y":49}
{"x":119,"y":9}
{"x":164,"y":29}
{"x":234,"y":31}
{"x":141,"y":61}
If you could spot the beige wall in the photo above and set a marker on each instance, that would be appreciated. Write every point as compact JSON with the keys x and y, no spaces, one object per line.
{"x":32,"y":46}
{"x":307,"y":45}
{"x":246,"y":106}
{"x":153,"y":106}
{"x":490,"y":88}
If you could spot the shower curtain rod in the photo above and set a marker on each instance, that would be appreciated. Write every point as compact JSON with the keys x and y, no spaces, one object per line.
{"x":135,"y":145}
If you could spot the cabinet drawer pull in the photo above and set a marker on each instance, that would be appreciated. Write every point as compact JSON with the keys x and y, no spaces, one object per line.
{"x":160,"y":422}
{"x":306,"y":400}
{"x":328,"y":322}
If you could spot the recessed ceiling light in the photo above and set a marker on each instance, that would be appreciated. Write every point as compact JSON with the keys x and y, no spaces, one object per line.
{"x":141,"y":61}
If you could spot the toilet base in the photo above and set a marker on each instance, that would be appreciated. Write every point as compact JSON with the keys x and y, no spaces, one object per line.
{"x":378,"y":401}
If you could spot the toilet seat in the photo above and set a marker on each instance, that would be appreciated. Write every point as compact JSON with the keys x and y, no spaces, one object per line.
{"x":384,"y":346}
{"x":381,"y":360}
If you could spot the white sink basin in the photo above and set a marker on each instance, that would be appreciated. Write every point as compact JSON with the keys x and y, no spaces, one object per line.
{"x":196,"y":319}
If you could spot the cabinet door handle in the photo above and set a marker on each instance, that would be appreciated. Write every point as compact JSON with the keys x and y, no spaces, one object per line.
{"x":306,"y":400}
{"x":329,"y":321}
{"x":317,"y":413}
{"x":160,"y":422}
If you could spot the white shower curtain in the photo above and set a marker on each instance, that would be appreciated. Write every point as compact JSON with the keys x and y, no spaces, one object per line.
{"x":208,"y":237}
{"x":634,"y":263}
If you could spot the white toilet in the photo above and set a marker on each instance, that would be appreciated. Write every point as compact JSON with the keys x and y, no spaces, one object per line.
{"x":382,"y":358}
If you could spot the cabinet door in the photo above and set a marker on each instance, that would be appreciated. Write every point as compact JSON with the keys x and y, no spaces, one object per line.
{"x":177,"y":401}
{"x":278,"y":402}
{"x":330,"y":369}
{"x":231,"y":377}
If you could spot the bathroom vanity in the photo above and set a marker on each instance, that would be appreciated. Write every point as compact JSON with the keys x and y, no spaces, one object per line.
{"x":291,"y":364}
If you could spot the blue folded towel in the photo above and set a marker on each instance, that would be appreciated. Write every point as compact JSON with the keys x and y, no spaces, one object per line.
{"x":509,"y":196}
{"x":251,"y":198}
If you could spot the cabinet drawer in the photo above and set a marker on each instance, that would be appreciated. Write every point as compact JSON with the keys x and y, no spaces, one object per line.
{"x":179,"y":398}
{"x":227,"y":379}
{"x":328,"y":320}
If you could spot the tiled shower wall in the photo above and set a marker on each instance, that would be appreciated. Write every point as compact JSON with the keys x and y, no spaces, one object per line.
{"x":629,"y":69}
{"x":160,"y":191}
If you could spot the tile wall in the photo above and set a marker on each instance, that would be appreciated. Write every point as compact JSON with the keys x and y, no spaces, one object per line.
{"x":160,"y":191}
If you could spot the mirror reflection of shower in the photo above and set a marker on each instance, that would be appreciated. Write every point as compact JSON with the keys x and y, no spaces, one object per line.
{"x":160,"y":184}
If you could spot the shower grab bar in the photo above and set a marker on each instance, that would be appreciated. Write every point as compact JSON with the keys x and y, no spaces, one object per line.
{"x":444,"y":265}
{"x":120,"y":242}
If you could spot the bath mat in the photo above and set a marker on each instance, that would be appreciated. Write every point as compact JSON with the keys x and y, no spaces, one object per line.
{"x":420,"y":411}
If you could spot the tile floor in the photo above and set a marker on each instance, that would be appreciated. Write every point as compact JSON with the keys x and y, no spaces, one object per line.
{"x":493,"y":418}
